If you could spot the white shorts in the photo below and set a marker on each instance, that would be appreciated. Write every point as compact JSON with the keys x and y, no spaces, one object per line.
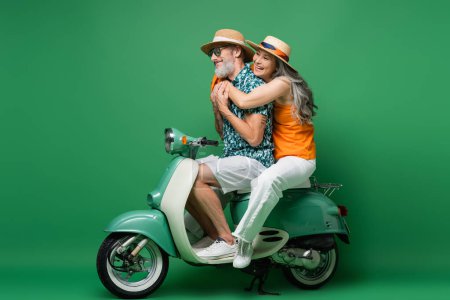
{"x":234,"y":172}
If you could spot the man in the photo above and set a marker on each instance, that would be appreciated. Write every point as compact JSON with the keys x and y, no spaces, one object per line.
{"x":247,"y":140}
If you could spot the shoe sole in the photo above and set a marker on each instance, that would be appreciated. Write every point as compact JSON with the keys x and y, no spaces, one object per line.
{"x":218,"y":256}
{"x":241,"y":266}
{"x":200,"y":248}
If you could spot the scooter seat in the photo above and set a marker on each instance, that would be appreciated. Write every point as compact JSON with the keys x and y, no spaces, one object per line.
{"x":304,"y":185}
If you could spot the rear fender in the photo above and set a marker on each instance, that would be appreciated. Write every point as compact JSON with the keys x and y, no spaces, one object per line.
{"x":300,"y":212}
{"x":306,"y":212}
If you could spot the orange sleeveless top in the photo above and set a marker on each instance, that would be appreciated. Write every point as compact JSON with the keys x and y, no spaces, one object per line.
{"x":291,"y":138}
{"x":215,"y":80}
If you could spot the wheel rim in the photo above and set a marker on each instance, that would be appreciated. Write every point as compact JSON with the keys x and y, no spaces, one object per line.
{"x":319,"y":274}
{"x":139,"y":276}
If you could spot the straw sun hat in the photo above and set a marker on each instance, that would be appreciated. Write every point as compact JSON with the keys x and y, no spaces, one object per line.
{"x":229,"y":36}
{"x":274,"y":46}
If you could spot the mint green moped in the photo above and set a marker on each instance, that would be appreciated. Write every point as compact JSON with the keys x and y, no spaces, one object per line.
{"x":299,"y":235}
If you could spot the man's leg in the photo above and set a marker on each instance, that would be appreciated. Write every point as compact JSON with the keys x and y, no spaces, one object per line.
{"x":206,"y":201}
{"x":202,"y":219}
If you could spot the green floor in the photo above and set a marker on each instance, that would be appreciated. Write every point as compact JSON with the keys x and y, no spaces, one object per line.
{"x":188,"y":282}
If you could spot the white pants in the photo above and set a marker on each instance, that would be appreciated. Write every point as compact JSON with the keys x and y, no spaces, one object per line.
{"x":288,"y":172}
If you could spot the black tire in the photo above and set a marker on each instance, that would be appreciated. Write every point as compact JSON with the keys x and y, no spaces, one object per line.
{"x":143,"y":280}
{"x":316,"y":278}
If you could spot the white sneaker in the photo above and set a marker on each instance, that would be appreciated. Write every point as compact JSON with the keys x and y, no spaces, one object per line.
{"x":244,"y":255}
{"x":219,"y":249}
{"x":202,"y":243}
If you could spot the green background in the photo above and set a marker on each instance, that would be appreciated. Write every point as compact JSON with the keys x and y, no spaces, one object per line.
{"x":87,"y":87}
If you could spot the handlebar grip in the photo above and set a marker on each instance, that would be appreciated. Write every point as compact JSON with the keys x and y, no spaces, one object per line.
{"x":212,"y":143}
{"x":206,"y":142}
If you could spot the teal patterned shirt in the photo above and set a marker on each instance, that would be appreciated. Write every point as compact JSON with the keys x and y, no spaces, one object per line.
{"x":234,"y":144}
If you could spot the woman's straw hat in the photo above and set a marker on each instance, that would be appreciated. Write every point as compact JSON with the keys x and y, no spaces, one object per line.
{"x":229,"y":36}
{"x":276,"y":47}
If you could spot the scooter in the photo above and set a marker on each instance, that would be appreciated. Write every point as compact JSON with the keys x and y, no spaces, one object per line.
{"x":298,"y":236}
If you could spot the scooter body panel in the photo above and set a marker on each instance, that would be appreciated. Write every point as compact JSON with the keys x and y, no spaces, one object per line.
{"x":154,"y":198}
{"x":152,"y":223}
{"x":173,"y":204}
{"x":170,"y":196}
{"x":300,"y":212}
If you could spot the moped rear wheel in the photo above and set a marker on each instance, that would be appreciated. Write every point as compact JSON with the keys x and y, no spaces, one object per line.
{"x":131,"y":277}
{"x":315,"y":278}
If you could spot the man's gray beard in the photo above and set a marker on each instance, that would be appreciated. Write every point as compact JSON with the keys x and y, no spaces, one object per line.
{"x":226,"y":69}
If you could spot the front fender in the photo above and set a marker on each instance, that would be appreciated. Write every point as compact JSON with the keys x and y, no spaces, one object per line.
{"x":151,"y":223}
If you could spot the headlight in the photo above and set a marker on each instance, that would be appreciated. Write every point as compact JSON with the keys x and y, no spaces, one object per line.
{"x":168,"y":138}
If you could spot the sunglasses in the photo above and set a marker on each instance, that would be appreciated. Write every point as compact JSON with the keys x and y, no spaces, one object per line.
{"x":217,"y":51}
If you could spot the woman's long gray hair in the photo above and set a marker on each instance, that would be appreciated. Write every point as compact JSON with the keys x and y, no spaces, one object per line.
{"x":303,"y":97}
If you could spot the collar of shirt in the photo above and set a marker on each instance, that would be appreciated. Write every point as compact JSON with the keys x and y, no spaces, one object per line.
{"x":242,"y":75}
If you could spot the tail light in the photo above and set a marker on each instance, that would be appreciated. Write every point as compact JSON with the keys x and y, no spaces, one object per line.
{"x":343,"y":211}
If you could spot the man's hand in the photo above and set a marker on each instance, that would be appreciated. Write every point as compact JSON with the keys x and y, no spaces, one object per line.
{"x":218,"y":122}
{"x":222,"y":98}
{"x":213,"y":96}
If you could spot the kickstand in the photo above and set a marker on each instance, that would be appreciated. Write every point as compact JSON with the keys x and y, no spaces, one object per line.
{"x":262,"y":278}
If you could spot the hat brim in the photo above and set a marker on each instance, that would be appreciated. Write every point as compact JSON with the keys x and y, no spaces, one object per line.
{"x":257,"y":47}
{"x":248,"y":52}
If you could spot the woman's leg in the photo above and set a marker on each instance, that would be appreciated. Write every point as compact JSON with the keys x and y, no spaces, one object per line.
{"x":267,"y":189}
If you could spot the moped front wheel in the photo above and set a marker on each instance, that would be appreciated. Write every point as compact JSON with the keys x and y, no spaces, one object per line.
{"x":127,"y":275}
{"x":311,"y":279}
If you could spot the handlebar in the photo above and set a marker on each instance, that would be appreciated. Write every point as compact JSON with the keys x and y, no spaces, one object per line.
{"x":205,"y":142}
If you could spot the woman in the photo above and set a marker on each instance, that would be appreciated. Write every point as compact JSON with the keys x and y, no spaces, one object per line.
{"x":293,"y":135}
